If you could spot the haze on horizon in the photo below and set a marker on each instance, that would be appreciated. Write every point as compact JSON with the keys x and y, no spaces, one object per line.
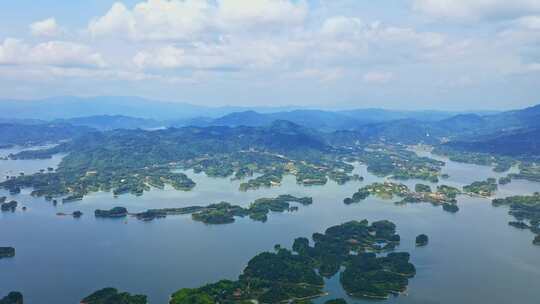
{"x":411,"y":54}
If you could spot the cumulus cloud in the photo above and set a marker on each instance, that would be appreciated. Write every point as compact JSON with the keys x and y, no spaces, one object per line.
{"x":45,"y":28}
{"x":376,"y":77}
{"x":477,"y":9}
{"x":192,"y":19}
{"x":52,"y":53}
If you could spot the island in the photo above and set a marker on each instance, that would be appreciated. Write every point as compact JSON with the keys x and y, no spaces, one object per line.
{"x":482,"y":188}
{"x":113,"y":296}
{"x":444,"y":196}
{"x":422,"y":240}
{"x":452,"y":208}
{"x":9,"y":206}
{"x":116,"y":212}
{"x":13,"y":297}
{"x":505,"y":180}
{"x":225,"y":213}
{"x":296,"y":276}
{"x":526,"y":210}
{"x":7,"y":252}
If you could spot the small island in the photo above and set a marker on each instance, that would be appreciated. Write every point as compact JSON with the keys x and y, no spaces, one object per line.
{"x":452,"y":208}
{"x":445,"y":196}
{"x":12,"y":298}
{"x":116,"y":212}
{"x":482,"y":188}
{"x":113,"y":296}
{"x":7,"y":252}
{"x":9,"y":206}
{"x":422,"y":240}
{"x":225,"y":213}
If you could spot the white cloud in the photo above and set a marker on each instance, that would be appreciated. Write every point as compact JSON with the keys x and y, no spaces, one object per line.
{"x":45,"y":28}
{"x":181,"y":20}
{"x":376,"y":77}
{"x":477,"y":9}
{"x":52,"y":53}
{"x":261,"y":12}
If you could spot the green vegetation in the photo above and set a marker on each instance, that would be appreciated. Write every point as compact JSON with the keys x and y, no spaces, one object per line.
{"x":448,"y":191}
{"x":422,"y":188}
{"x":112,"y":296}
{"x":134,"y":161}
{"x":385,"y":190}
{"x":399,"y":163}
{"x":528,"y":171}
{"x":523,"y":208}
{"x":12,"y":298}
{"x":284,"y":276}
{"x":445,"y":195}
{"x":499,"y":163}
{"x":505,"y":180}
{"x":452,"y":208}
{"x":115,"y":212}
{"x":9,"y":206}
{"x":225,"y":213}
{"x":484,"y":188}
{"x":336,"y":301}
{"x":7,"y":252}
{"x":422,"y":240}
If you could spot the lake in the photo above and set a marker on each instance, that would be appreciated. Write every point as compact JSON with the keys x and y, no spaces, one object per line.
{"x":473,"y":255}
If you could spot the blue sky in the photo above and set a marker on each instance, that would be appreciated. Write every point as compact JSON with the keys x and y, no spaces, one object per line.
{"x":407,"y":54}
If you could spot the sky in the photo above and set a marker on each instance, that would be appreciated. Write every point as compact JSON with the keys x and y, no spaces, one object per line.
{"x":398,"y":54}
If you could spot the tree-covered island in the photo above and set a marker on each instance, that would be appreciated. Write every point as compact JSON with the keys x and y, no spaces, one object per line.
{"x":296,"y":276}
{"x":220,"y":213}
{"x":7,"y":252}
{"x":113,"y":296}
{"x":444,"y":196}
{"x":526,"y":210}
{"x":482,"y":188}
{"x":13,"y":297}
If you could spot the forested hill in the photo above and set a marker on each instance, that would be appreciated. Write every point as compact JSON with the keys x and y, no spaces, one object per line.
{"x":37,"y":134}
{"x":127,"y":147}
{"x":522,"y":143}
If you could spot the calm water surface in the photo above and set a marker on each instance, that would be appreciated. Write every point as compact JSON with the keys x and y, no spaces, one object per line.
{"x":473,"y":256}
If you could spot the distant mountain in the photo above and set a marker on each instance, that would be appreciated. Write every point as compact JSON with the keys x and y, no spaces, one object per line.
{"x":36,"y":134}
{"x":316,"y":119}
{"x":524,"y":142}
{"x":111,"y":122}
{"x":381,"y":115}
{"x":70,"y":107}
{"x":327,"y":121}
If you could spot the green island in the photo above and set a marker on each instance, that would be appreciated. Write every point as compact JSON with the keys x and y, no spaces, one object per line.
{"x":505,"y":180}
{"x":528,"y":171}
{"x":225,"y":213}
{"x":526,"y":209}
{"x":297,"y":276}
{"x":12,"y":298}
{"x":499,"y":163}
{"x":422,"y":240}
{"x":9,"y":206}
{"x":7,"y":252}
{"x":444,"y":196}
{"x":482,"y":188}
{"x":116,"y":212}
{"x":399,"y":163}
{"x":113,"y":296}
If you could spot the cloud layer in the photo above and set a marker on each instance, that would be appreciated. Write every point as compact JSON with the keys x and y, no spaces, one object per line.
{"x":342,"y":50}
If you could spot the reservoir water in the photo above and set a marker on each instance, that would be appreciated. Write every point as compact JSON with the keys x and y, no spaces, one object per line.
{"x":473,"y":255}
